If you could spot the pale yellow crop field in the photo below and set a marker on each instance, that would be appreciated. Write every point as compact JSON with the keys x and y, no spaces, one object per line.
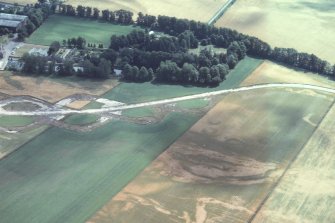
{"x":307,"y":26}
{"x":269,"y":72}
{"x":306,"y":193}
{"x":201,"y":10}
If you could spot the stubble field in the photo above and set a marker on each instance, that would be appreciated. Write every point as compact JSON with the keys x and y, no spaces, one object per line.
{"x":307,"y":26}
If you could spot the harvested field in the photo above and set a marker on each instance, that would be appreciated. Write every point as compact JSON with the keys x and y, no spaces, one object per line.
{"x":56,"y":28}
{"x":269,"y":72}
{"x":51,"y":89}
{"x":198,"y":10}
{"x":227,"y":163}
{"x":306,"y":192}
{"x":307,"y":26}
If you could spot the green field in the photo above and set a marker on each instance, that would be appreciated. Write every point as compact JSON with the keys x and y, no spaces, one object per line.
{"x":65,"y":176}
{"x":9,"y":142}
{"x":58,"y":28}
{"x":15,"y":121}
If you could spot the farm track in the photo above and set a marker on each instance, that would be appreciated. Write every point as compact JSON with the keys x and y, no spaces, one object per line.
{"x":61,"y":111}
{"x":221,"y":11}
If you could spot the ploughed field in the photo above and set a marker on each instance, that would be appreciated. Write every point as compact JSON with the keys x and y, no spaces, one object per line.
{"x":308,"y":26}
{"x":58,"y":28}
{"x":230,"y":162}
{"x":66,"y":176}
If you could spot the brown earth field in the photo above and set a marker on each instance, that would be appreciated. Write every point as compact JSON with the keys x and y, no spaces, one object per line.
{"x":202,"y":10}
{"x":306,"y":25}
{"x":52,"y":89}
{"x":230,"y":161}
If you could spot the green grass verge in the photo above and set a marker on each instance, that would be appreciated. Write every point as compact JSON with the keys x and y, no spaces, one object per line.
{"x":142,"y":92}
{"x":65,"y":176}
{"x":58,"y":28}
{"x":15,"y":121}
{"x":193,"y":104}
{"x":139,"y":112}
{"x":81,"y":119}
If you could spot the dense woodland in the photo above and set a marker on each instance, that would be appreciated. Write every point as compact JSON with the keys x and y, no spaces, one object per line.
{"x":164,"y":56}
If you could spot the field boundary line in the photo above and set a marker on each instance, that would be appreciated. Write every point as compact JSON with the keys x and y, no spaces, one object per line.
{"x":221,"y":12}
{"x":252,"y":218}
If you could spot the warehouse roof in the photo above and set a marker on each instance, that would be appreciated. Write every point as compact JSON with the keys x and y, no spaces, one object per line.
{"x":8,"y":23}
{"x":12,"y":17}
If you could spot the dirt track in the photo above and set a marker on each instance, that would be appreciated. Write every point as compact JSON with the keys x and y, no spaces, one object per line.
{"x":61,"y":111}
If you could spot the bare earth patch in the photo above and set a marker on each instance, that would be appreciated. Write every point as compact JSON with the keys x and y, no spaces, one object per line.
{"x":78,"y":104}
{"x":51,"y":90}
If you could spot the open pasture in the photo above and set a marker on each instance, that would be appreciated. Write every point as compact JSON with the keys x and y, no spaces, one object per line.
{"x":227,"y":163}
{"x":58,"y":28}
{"x":9,"y":142}
{"x":308,"y":26}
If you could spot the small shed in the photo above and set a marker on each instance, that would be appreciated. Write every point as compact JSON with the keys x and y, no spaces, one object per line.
{"x":117,"y":72}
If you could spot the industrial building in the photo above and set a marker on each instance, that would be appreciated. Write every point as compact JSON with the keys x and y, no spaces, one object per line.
{"x":12,"y":21}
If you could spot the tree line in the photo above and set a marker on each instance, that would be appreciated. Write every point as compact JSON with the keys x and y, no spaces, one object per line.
{"x":119,"y":16}
{"x":223,"y":37}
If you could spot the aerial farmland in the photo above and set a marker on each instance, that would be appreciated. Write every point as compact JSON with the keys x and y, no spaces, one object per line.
{"x":137,"y":112}
{"x":304,"y":25}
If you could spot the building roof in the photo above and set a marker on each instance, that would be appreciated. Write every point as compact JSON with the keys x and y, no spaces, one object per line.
{"x":12,"y":17}
{"x":9,"y":23}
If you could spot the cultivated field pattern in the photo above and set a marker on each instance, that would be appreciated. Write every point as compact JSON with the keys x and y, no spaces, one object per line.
{"x":257,"y":148}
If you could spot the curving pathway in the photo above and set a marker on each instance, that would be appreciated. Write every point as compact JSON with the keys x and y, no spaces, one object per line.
{"x":58,"y":111}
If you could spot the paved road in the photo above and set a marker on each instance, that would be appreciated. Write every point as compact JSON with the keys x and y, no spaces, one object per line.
{"x":220,"y":13}
{"x":58,"y":111}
